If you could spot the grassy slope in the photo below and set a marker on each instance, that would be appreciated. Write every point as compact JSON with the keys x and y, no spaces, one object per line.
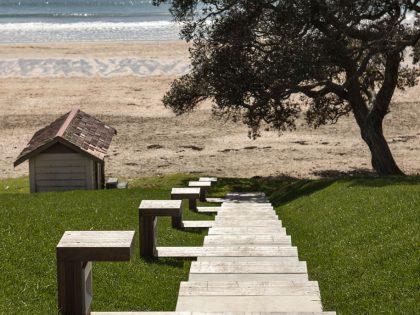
{"x":359,"y":236}
{"x":361,"y":241}
{"x":32,"y":224}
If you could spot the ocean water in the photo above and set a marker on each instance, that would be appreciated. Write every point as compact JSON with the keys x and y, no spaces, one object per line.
{"x":40,"y":21}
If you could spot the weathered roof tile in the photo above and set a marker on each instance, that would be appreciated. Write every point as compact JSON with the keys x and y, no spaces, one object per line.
{"x":87,"y":133}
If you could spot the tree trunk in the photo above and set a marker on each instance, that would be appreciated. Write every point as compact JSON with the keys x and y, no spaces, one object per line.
{"x":382,"y":160}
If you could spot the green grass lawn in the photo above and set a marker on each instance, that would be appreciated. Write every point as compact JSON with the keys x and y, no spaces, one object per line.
{"x":360,"y":238}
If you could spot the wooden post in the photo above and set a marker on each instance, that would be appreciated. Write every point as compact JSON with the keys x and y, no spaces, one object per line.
{"x":148,"y":235}
{"x":203,"y":195}
{"x":74,"y":287}
{"x":192,"y":194}
{"x":149,"y":210}
{"x":203,"y":185}
{"x":192,"y":204}
{"x":177,"y":221}
{"x":75,"y":251}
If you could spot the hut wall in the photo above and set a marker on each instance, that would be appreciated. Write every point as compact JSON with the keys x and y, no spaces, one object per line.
{"x":53,"y":171}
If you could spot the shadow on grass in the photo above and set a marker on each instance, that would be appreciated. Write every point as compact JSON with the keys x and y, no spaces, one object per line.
{"x":283,"y":189}
{"x":279,"y":190}
{"x":173,"y":262}
{"x":356,"y":172}
{"x":385,"y":181}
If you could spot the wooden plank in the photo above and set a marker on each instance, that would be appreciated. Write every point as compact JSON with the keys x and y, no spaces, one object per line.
{"x":247,"y":205}
{"x":95,"y":246}
{"x":241,"y":277}
{"x":215,"y":199}
{"x":62,"y":183}
{"x":60,"y":157}
{"x":199,"y":184}
{"x":160,"y":207}
{"x":207,"y":179}
{"x":197,"y":224}
{"x":208,"y":209}
{"x":249,"y":304}
{"x":245,"y":223}
{"x":60,"y":170}
{"x":60,"y":163}
{"x":227,"y":251}
{"x":182,"y":191}
{"x":278,"y":230}
{"x":248,"y":288}
{"x":247,"y":267}
{"x":160,"y":204}
{"x":245,"y":210}
{"x":185,"y":193}
{"x":249,"y":258}
{"x":209,"y":313}
{"x":90,"y":174}
{"x":247,"y":239}
{"x":263,"y":216}
{"x":61,"y":176}
{"x":32,"y":176}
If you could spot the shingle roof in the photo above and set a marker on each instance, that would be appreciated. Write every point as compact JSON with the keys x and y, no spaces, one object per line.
{"x":77,"y":130}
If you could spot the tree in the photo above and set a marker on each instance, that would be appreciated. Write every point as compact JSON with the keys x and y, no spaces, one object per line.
{"x":266,"y":61}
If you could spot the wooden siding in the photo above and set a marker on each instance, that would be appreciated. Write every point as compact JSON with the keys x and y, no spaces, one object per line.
{"x":61,"y":171}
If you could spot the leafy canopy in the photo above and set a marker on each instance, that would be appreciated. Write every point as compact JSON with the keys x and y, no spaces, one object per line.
{"x":264,"y":61}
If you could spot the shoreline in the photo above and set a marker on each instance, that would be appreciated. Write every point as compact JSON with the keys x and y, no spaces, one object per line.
{"x":163,"y":41}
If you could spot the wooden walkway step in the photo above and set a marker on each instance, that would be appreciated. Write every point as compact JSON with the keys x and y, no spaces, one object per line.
{"x":248,"y":271}
{"x":248,"y":288}
{"x":247,"y":267}
{"x":246,"y":223}
{"x":247,"y":264}
{"x":272,"y":230}
{"x":197,"y":224}
{"x":228,"y":251}
{"x":209,"y":313}
{"x":208,"y":209}
{"x":216,"y":240}
{"x":265,"y":303}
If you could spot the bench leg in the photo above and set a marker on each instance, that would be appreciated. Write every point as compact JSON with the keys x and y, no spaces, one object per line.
{"x":148,"y":233}
{"x":177,"y":222}
{"x":74,"y":287}
{"x":203,"y":195}
{"x":192,"y":203}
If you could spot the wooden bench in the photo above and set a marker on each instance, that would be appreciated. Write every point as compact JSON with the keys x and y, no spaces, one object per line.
{"x":75,"y":253}
{"x":208,"y":179}
{"x":204,"y":188}
{"x":149,"y":210}
{"x":192,"y":194}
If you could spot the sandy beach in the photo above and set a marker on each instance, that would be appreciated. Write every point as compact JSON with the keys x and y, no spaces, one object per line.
{"x":123,"y":84}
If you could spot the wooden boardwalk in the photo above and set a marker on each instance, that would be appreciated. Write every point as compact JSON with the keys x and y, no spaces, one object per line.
{"x":246,"y":265}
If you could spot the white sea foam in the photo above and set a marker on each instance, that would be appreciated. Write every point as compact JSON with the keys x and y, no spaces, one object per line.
{"x":56,"y":67}
{"x":88,"y":31}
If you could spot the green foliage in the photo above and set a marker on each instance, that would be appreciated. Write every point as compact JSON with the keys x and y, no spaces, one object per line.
{"x":265,"y":62}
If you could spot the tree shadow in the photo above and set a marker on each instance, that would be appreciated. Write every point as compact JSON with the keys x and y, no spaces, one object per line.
{"x":168,"y":261}
{"x":279,"y":189}
{"x":385,"y":181}
{"x":283,"y":189}
{"x":356,"y":172}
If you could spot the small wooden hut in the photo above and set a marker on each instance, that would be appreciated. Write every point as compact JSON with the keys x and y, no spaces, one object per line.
{"x":68,"y":154}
